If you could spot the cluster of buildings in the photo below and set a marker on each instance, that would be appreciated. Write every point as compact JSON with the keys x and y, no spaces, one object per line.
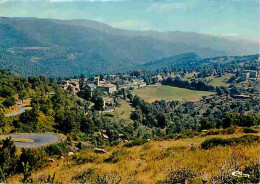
{"x":249,"y":74}
{"x":106,"y":85}
{"x":72,"y":84}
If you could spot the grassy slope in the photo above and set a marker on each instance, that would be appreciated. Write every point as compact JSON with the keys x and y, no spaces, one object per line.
{"x":159,"y":92}
{"x":219,"y":81}
{"x":123,"y":112}
{"x":152,"y":161}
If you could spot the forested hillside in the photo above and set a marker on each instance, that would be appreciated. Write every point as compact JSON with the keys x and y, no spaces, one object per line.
{"x":31,"y":46}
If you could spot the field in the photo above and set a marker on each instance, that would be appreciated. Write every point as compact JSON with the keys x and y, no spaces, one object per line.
{"x":219,"y":81}
{"x":123,"y":112}
{"x":168,"y":93}
{"x":152,"y":161}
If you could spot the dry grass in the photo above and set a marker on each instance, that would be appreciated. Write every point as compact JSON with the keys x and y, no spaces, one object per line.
{"x":154,"y":160}
{"x":123,"y":112}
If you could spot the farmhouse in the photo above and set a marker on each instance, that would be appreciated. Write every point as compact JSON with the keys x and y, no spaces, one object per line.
{"x":71,"y":85}
{"x":90,"y":87}
{"x":158,"y":78}
{"x":110,"y":88}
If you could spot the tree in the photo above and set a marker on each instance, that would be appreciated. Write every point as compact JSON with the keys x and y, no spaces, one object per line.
{"x":98,"y":103}
{"x":81,"y":81}
{"x":8,"y":157}
{"x":22,"y":95}
{"x":162,"y":120}
{"x":9,"y":101}
{"x":87,"y":126}
{"x":206,"y":123}
{"x":29,"y":119}
{"x":101,"y":76}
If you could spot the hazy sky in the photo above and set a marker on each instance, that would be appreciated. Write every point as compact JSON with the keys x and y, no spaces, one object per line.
{"x":220,"y":17}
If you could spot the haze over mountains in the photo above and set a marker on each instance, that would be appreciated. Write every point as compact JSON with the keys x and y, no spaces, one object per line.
{"x":32,"y":46}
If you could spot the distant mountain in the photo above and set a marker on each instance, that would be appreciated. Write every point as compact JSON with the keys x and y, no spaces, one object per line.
{"x":32,"y":46}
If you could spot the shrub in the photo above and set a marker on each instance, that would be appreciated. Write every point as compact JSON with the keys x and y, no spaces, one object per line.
{"x":85,"y":177}
{"x":231,"y":130}
{"x":179,"y":176}
{"x":117,"y":156}
{"x":254,"y":176}
{"x":33,"y":157}
{"x":250,"y":130}
{"x":86,"y":159}
{"x":57,"y":149}
{"x":254,"y":173}
{"x":213,"y":142}
{"x":136,"y":142}
{"x":9,"y":101}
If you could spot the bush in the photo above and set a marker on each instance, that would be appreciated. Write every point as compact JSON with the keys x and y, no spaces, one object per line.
{"x":82,"y":159}
{"x":250,"y":130}
{"x":57,"y":149}
{"x":254,"y":176}
{"x":117,"y":156}
{"x":136,"y":142}
{"x":9,"y":101}
{"x":231,"y":130}
{"x":213,"y":142}
{"x":179,"y":176}
{"x":254,"y":173}
{"x":33,"y":157}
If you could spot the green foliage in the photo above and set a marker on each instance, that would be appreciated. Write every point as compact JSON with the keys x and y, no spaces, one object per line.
{"x":32,"y":157}
{"x":213,"y":142}
{"x":86,"y":159}
{"x":249,"y":130}
{"x":9,"y":101}
{"x":57,"y":149}
{"x":179,"y":176}
{"x":8,"y":158}
{"x":136,"y":142}
{"x":27,"y":172}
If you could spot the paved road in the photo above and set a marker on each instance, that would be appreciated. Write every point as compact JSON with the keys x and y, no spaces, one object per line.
{"x":39,"y":139}
{"x":20,"y":110}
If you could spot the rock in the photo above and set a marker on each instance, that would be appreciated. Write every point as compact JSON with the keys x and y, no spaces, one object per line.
{"x":51,"y":160}
{"x":98,"y":150}
{"x":70,"y":154}
{"x":61,"y":157}
{"x":105,"y":136}
{"x":239,"y":174}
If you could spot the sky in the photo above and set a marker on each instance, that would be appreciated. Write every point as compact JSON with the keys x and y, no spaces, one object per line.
{"x":217,"y":17}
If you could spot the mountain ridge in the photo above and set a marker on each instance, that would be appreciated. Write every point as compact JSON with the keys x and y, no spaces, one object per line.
{"x":90,"y":47}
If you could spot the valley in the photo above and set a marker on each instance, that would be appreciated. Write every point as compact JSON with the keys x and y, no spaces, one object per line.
{"x":183,"y":122}
{"x":129,"y":92}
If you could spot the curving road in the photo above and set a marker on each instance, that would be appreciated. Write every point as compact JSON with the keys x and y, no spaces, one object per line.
{"x":20,"y":110}
{"x":39,"y":139}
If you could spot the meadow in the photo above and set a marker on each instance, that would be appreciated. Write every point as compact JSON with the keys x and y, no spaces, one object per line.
{"x":169,"y":93}
{"x":153,"y":161}
{"x":219,"y":81}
